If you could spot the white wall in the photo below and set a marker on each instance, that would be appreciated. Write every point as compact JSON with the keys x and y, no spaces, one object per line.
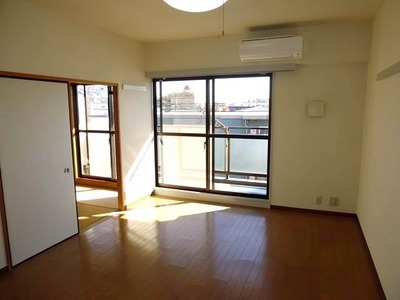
{"x":310,"y":157}
{"x":325,"y":44}
{"x":38,"y":41}
{"x":317,"y":156}
{"x":379,"y":197}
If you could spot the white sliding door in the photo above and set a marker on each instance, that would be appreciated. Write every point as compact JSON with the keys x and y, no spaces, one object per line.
{"x":35,"y":153}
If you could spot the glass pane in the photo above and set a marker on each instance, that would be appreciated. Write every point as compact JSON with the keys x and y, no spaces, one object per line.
{"x":81,"y":106}
{"x":182,"y":161}
{"x":97,"y":107}
{"x":249,"y":155}
{"x":111,"y":109}
{"x":240,"y":165}
{"x":183,"y":106}
{"x":95,"y":154}
{"x":242,"y":105}
{"x":158,"y":104}
{"x":83,"y":142}
{"x":220,"y":157}
{"x":113,"y":157}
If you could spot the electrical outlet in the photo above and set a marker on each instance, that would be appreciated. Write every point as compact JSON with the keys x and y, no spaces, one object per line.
{"x":334,"y":201}
{"x":319,"y":200}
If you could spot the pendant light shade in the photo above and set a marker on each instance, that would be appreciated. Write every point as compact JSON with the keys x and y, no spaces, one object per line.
{"x":195,"y":5}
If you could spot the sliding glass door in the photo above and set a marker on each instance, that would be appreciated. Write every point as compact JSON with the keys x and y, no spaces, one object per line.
{"x":213,"y":134}
{"x":181,"y":133}
{"x":240,"y":134}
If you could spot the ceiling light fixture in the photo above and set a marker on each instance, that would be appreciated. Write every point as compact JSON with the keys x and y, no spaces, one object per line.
{"x":195,"y":6}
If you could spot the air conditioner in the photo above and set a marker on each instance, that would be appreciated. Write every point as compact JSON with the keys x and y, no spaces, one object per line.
{"x":271,"y":48}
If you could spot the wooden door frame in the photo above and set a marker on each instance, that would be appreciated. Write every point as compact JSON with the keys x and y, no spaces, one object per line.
{"x":118,"y":185}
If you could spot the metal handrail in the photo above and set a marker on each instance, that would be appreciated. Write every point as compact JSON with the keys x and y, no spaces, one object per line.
{"x":227,"y":161}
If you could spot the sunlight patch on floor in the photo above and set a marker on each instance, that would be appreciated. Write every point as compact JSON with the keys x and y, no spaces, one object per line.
{"x":89,"y":214}
{"x":160,"y":210}
{"x":84,"y":194}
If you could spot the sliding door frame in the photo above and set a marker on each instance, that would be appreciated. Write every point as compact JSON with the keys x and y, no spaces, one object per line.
{"x":118,"y":185}
{"x":98,"y":183}
{"x":208,"y":135}
{"x":159,"y":129}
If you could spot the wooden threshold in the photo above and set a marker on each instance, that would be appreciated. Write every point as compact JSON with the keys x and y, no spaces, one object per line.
{"x":101,"y":184}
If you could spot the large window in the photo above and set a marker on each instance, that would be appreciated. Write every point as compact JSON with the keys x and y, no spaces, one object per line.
{"x":212,"y":133}
{"x":95,"y":131}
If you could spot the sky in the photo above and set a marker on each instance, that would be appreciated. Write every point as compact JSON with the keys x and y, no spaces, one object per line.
{"x":227,"y":90}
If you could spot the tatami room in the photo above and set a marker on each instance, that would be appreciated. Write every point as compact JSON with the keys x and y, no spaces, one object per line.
{"x":299,"y":201}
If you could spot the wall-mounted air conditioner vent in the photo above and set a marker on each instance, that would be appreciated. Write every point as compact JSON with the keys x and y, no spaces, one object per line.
{"x":271,"y":48}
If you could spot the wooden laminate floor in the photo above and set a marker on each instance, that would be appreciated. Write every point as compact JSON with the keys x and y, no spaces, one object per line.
{"x":166,"y":249}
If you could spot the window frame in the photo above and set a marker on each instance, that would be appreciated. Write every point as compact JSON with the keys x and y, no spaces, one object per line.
{"x":209,"y":136}
{"x":93,"y":180}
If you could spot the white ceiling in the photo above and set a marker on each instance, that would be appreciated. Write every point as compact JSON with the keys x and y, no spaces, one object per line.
{"x":154,"y":21}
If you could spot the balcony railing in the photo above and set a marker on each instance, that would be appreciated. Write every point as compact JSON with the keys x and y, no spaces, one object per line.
{"x":238,"y":152}
{"x":240,"y":176}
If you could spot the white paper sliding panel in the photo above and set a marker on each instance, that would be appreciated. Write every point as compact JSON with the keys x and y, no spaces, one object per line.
{"x":35,"y":153}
